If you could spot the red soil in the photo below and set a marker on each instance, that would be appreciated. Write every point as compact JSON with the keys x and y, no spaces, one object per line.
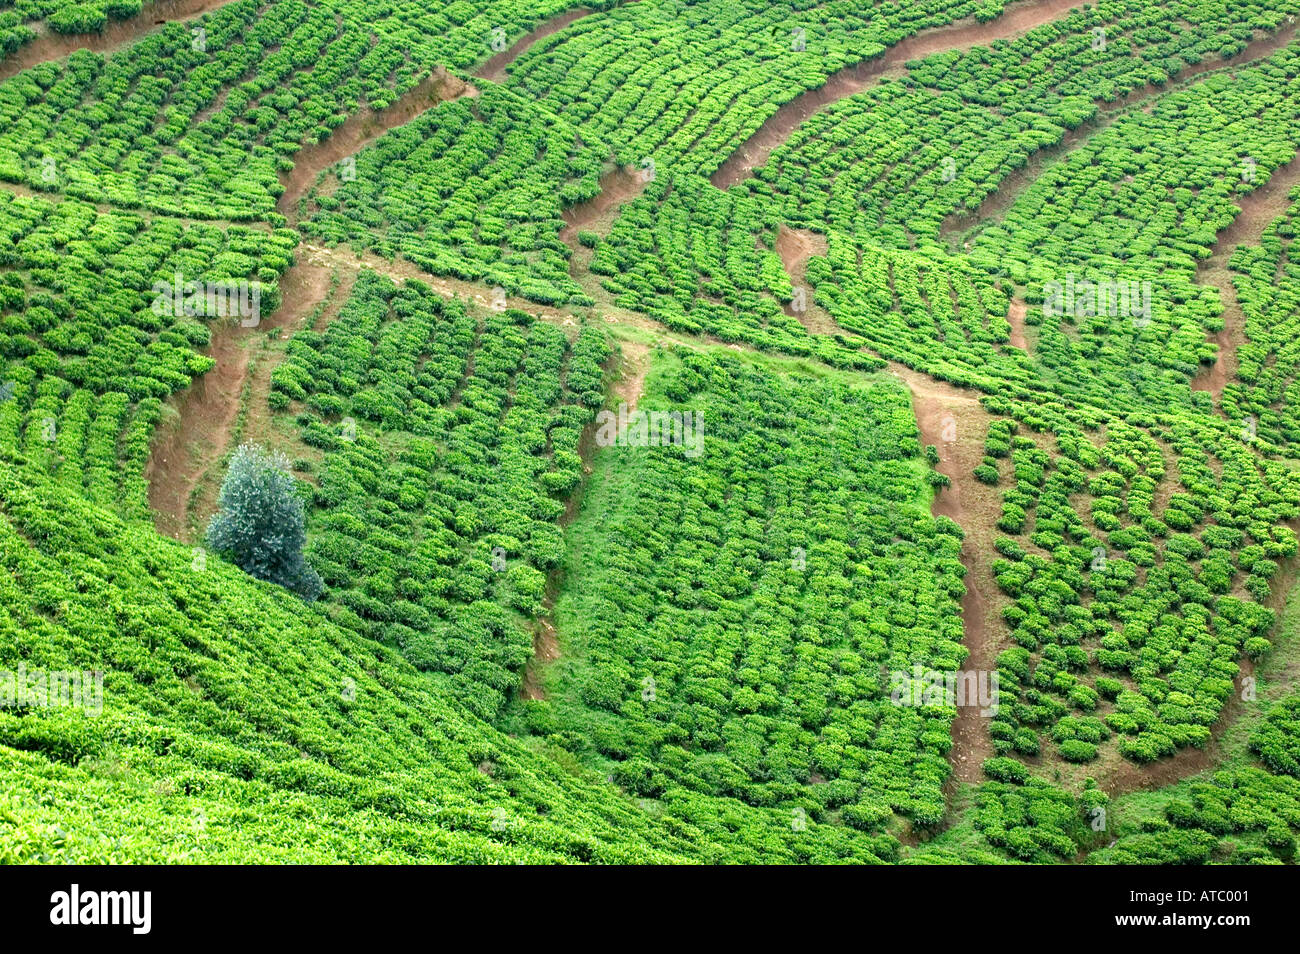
{"x":361,"y":129}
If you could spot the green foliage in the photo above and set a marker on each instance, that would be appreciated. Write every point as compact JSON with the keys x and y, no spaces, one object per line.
{"x":450,"y":447}
{"x":1082,"y":609}
{"x":1031,"y":821}
{"x":461,"y":191}
{"x":1003,"y":769}
{"x":210,"y":126}
{"x":687,"y":85}
{"x":1143,"y":528}
{"x":1277,"y":739}
{"x":739,"y":637}
{"x":242,"y":726}
{"x":92,"y":341}
{"x":1268,"y":288}
{"x":1238,"y":816}
{"x":60,"y":16}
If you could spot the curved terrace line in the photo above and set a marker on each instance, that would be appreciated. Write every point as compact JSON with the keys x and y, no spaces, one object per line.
{"x":996,"y":203}
{"x":964,"y":35}
{"x":943,"y":409}
{"x":306,"y":288}
{"x":207,"y":412}
{"x":363,"y":128}
{"x":617,"y":186}
{"x":494,"y":70}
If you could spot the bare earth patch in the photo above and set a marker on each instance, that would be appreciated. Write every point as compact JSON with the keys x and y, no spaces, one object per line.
{"x":546,"y":649}
{"x":796,"y":247}
{"x":361,"y":129}
{"x":632,"y":373}
{"x":494,"y":70}
{"x":181,"y":470}
{"x":401,"y":270}
{"x":956,"y":423}
{"x":1016,"y":182}
{"x":1016,"y":319}
{"x":207,"y":411}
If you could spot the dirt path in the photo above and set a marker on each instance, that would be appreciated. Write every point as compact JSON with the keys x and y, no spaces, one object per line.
{"x":198,"y":437}
{"x":634,"y":365}
{"x":795,"y":247}
{"x":956,"y":423}
{"x":597,"y":214}
{"x":546,"y":650}
{"x":1017,"y":18}
{"x":363,"y":128}
{"x":49,"y":45}
{"x":1128,"y":776}
{"x":617,"y":186}
{"x":187,"y":444}
{"x":254,"y":424}
{"x":1016,"y":319}
{"x":400,"y":270}
{"x":632,"y":373}
{"x":181,"y":471}
{"x":1258,"y":209}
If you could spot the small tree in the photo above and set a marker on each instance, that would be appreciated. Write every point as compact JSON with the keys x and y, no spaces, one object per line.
{"x":260,"y":526}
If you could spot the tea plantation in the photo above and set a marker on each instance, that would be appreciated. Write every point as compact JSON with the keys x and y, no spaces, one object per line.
{"x":724,"y":431}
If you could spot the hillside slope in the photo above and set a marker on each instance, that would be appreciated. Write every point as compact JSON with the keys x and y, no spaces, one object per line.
{"x":238,"y":725}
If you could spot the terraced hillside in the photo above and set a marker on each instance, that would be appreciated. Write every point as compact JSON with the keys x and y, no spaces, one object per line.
{"x":725,"y":431}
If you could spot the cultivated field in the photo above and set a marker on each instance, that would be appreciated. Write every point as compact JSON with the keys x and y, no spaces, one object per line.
{"x":699,"y":431}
